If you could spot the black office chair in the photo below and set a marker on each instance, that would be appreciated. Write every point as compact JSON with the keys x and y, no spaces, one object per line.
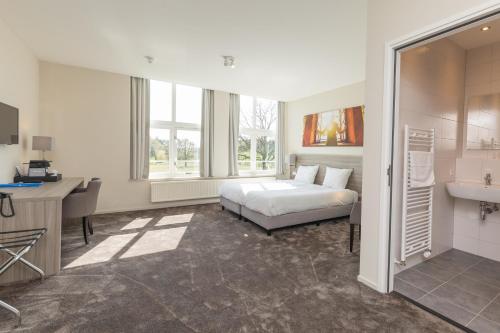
{"x":16,"y":244}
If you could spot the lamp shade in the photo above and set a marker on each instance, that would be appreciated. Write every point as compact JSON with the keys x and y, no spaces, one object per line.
{"x":43,"y":143}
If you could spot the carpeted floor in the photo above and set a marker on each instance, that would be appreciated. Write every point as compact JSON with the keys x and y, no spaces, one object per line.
{"x":213,"y":274}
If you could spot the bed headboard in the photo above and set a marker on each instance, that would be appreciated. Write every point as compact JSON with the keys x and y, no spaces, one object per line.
{"x":335,"y":161}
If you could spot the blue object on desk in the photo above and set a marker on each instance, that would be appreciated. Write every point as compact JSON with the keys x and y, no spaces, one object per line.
{"x":20,"y":185}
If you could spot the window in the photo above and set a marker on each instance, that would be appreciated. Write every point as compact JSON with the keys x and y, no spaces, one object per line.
{"x":257,"y":140}
{"x":175,"y":133}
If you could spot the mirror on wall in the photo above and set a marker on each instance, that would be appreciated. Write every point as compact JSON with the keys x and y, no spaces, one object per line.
{"x":483,"y":121}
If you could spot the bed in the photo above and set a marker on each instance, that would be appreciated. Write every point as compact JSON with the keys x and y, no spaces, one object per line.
{"x":233,"y":194}
{"x":283,"y":203}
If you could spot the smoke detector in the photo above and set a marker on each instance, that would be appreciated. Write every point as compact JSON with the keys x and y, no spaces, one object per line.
{"x":229,"y":61}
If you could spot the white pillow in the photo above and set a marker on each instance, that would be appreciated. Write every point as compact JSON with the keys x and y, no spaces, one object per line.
{"x":336,"y":178}
{"x":306,"y":174}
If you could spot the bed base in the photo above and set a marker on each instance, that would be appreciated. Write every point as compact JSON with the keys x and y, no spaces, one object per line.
{"x":231,"y":206}
{"x":272,"y":223}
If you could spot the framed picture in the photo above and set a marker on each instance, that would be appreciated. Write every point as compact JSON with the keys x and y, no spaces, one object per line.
{"x":342,"y":127}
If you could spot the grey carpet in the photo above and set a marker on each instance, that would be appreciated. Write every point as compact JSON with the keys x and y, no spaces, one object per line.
{"x":224,"y":275}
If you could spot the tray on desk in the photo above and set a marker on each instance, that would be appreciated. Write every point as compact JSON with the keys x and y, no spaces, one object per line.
{"x":45,"y":179}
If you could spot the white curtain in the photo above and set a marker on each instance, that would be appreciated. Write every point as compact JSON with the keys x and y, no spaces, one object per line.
{"x":207,"y":134}
{"x":280,"y":141}
{"x":139,"y":128}
{"x":234,"y":128}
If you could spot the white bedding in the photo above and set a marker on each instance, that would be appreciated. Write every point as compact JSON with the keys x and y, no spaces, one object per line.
{"x":237,"y":192}
{"x":283,"y":197}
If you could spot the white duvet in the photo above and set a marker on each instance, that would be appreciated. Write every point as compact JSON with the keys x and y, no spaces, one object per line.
{"x":283,"y":197}
{"x":237,"y":192}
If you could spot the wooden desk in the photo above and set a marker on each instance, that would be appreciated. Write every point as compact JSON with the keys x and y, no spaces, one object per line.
{"x":37,"y":208}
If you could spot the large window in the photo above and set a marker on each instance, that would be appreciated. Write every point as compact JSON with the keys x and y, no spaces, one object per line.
{"x":175,"y":130}
{"x":257,"y":140}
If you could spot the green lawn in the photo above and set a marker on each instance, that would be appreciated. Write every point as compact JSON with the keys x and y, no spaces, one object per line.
{"x":183,"y":167}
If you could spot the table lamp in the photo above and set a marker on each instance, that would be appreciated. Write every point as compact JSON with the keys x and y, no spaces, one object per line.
{"x":43,"y":143}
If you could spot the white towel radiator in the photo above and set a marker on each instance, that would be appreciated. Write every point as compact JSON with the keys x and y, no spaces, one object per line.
{"x":416,"y":232}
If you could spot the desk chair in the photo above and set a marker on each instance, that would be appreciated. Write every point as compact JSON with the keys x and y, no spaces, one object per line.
{"x":16,"y":244}
{"x":354,"y":219}
{"x":82,"y":204}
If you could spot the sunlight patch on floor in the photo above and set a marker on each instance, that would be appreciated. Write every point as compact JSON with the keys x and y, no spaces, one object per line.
{"x":137,"y":223}
{"x":103,"y":251}
{"x":155,"y":241}
{"x":174,"y":219}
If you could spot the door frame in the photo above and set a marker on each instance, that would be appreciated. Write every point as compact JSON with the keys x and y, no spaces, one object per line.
{"x":390,"y":113}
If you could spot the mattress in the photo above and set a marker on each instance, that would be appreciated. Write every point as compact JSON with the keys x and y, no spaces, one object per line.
{"x":237,"y":192}
{"x":298,"y":199}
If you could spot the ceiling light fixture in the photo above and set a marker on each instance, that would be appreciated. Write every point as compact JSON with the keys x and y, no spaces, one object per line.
{"x":229,"y":61}
{"x":149,"y":59}
{"x":485,"y":28}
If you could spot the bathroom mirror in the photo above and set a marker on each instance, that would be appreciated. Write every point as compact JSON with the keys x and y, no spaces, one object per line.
{"x":483,"y":121}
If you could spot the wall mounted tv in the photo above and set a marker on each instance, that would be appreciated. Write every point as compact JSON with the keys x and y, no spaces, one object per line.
{"x":9,"y":125}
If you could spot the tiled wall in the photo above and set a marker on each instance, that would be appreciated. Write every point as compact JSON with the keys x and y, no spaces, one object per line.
{"x":432,"y":96}
{"x":470,"y":233}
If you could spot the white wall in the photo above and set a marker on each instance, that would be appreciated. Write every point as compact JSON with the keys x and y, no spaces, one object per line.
{"x":88,"y":113}
{"x":470,"y":233}
{"x":388,"y":20}
{"x":19,"y":88}
{"x":431,"y":96}
{"x":351,"y":95}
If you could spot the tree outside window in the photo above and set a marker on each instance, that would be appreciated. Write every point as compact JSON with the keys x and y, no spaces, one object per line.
{"x":175,"y":130}
{"x":257,"y":143}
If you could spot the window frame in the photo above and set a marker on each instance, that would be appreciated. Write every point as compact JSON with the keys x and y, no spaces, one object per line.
{"x":173,"y":126}
{"x":254,"y":133}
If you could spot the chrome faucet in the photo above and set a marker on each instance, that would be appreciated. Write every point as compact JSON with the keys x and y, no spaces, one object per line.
{"x":487,"y":179}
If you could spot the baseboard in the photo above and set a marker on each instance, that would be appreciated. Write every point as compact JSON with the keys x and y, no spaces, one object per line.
{"x":158,"y":206}
{"x":368,"y":283}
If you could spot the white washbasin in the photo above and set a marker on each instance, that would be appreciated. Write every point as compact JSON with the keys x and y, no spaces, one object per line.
{"x":474,"y":191}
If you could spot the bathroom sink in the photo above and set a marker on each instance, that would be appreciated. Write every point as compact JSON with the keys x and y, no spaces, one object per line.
{"x":474,"y":191}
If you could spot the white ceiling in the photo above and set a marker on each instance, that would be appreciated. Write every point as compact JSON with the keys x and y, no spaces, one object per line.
{"x":284,"y":49}
{"x":473,"y":37}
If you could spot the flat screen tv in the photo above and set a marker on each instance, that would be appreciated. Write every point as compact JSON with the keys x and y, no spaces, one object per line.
{"x":9,"y":125}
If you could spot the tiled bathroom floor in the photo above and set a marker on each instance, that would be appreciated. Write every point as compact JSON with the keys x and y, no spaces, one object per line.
{"x":461,"y":286}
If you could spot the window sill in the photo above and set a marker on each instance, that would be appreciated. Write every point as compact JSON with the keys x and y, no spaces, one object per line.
{"x":256,"y":174}
{"x":176,"y":178}
{"x":173,"y":179}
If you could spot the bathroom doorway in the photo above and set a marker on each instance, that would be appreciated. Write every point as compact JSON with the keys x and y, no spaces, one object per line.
{"x":445,"y":242}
